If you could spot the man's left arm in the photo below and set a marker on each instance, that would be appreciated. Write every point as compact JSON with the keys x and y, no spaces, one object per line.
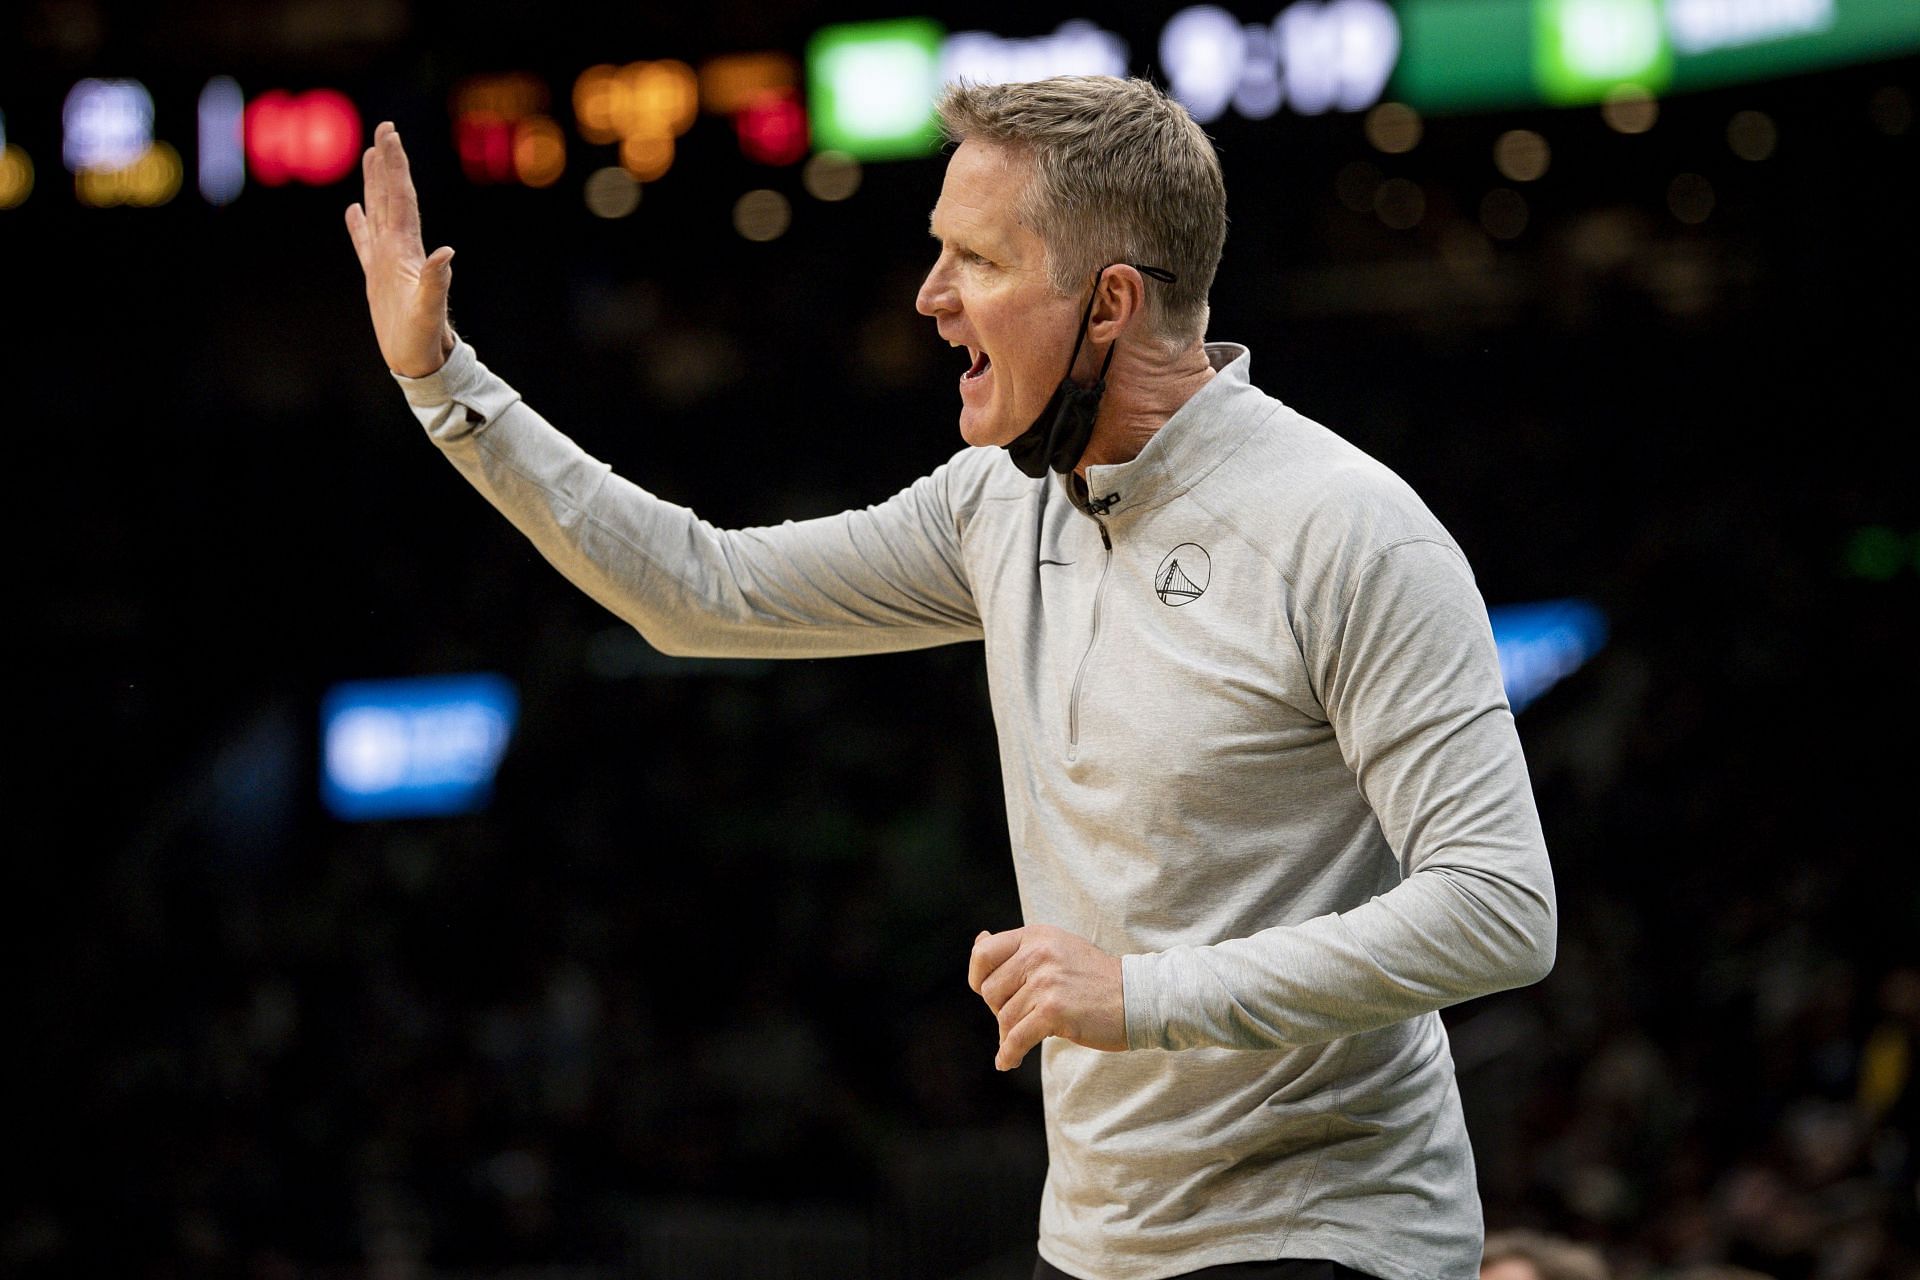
{"x":1411,"y":684}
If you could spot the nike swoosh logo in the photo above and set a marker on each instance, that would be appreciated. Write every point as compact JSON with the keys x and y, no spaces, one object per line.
{"x":1062,"y":563}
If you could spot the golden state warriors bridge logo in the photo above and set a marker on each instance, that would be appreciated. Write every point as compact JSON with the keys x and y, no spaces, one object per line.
{"x":1182,"y":576}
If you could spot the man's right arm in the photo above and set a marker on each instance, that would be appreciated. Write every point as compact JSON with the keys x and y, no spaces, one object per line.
{"x":888,"y":577}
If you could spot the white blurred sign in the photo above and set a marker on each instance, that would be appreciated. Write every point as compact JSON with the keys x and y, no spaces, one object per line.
{"x":1698,"y":26}
{"x":1315,"y":56}
{"x":1077,"y":48}
{"x":108,"y":125}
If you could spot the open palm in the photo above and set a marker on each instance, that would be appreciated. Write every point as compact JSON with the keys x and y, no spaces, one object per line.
{"x":406,"y":287}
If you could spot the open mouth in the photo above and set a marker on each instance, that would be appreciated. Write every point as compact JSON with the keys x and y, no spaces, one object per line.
{"x":981,"y":363}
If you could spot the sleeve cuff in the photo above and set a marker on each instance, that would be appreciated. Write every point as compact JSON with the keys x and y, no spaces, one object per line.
{"x":463,"y":381}
{"x":1146,"y":1025}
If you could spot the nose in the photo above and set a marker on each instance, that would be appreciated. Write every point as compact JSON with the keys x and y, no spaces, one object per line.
{"x":936,"y":293}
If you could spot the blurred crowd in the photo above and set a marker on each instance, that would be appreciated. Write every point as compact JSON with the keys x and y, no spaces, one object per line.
{"x":689,"y":1000}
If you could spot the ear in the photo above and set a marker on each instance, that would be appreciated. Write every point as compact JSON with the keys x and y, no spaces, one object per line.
{"x":1119,"y":300}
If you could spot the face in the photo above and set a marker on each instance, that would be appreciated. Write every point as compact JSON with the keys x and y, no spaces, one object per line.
{"x":988,"y":293}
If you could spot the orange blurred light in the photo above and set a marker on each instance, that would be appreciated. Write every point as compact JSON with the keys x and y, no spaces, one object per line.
{"x":509,"y":96}
{"x":642,"y":98}
{"x":665,"y":93}
{"x":594,"y":97}
{"x":16,"y":176}
{"x":151,"y":180}
{"x":646,"y":157}
{"x":730,"y":82}
{"x":539,"y":151}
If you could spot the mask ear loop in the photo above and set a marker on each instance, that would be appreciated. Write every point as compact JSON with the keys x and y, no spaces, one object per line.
{"x":1157,"y":273}
{"x":1080,"y":335}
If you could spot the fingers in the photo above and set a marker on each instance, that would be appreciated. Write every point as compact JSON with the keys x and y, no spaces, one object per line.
{"x":370,"y":188}
{"x":436,"y":276}
{"x":383,"y":174}
{"x":1017,"y":1043}
{"x":357,"y":232}
{"x":403,"y":204}
{"x":990,"y":951}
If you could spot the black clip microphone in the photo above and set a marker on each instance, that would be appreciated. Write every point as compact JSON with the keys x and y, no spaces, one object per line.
{"x":1100,"y":506}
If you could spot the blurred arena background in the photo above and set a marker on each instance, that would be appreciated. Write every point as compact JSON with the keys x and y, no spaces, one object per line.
{"x":587,"y":962}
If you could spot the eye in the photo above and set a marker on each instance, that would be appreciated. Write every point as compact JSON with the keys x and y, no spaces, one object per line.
{"x":973,"y":258}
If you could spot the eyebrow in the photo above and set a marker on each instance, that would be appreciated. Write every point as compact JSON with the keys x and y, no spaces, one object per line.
{"x":972,"y":246}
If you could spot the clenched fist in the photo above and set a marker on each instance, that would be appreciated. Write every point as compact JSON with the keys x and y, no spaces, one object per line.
{"x":1041,"y":981}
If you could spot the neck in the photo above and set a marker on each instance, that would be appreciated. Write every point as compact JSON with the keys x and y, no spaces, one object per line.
{"x":1146,"y":386}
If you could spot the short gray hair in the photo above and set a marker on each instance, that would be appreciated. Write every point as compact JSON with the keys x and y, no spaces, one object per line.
{"x":1119,"y":173}
{"x":1552,"y":1257}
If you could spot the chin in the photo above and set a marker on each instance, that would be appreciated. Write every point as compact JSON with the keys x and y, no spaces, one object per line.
{"x":982,"y":432}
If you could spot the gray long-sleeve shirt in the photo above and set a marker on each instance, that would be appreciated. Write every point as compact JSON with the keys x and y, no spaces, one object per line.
{"x":1253,"y":740}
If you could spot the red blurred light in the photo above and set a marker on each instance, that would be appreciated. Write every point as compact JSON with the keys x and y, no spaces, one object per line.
{"x":485,"y":142}
{"x":773,"y":128}
{"x":313,"y":137}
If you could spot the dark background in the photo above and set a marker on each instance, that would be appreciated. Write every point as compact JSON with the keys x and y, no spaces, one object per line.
{"x":690,"y":998}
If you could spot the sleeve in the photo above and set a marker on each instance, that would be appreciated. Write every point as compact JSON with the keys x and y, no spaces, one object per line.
{"x":1411,"y":684}
{"x":888,"y":577}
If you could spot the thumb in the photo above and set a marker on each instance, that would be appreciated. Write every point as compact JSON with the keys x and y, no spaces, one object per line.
{"x":438,"y":268}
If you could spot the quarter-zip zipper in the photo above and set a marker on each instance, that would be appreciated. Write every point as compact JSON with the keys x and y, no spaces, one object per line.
{"x":1073,"y":704}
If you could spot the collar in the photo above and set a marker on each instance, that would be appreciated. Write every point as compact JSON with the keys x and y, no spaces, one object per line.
{"x":1214,"y":422}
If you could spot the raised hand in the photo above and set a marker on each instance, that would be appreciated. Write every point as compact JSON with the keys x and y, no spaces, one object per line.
{"x":1042,"y":981}
{"x":406,"y":288}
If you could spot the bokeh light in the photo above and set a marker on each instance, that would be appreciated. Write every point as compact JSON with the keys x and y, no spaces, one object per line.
{"x":108,"y":125}
{"x":653,"y":99}
{"x":1878,"y":553}
{"x":1400,"y":204}
{"x":762,"y":215}
{"x":539,"y":151}
{"x":16,"y":176}
{"x":1464,"y":249}
{"x":1394,"y":127}
{"x":1690,"y":198}
{"x":1503,"y":213}
{"x":1521,"y":155}
{"x":831,"y":175}
{"x":312,"y":137}
{"x":611,"y":192}
{"x":730,"y":82}
{"x":773,"y":128}
{"x":1891,"y":110}
{"x":509,"y":96}
{"x":485,"y":144}
{"x":1630,"y":109}
{"x":1752,"y":135}
{"x":223,"y":160}
{"x":647,"y":156}
{"x":152,"y":179}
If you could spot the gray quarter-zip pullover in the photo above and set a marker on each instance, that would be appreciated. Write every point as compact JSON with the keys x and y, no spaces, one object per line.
{"x":1253,"y":740}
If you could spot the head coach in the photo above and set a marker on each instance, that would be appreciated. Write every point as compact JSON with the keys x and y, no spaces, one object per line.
{"x":1267,"y":808}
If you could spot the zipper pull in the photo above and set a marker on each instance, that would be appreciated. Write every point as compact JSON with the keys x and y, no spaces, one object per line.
{"x":1105,"y":541}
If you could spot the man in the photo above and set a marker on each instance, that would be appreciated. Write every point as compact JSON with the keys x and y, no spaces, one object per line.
{"x":1268,"y":811}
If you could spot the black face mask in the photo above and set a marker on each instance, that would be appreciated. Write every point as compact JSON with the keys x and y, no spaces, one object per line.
{"x":1059,"y":435}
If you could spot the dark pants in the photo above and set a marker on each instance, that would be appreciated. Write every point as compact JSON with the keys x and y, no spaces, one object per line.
{"x":1285,"y":1269}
